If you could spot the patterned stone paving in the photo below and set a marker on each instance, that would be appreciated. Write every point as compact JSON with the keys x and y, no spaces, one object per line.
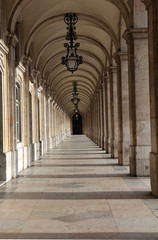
{"x":76,"y":191}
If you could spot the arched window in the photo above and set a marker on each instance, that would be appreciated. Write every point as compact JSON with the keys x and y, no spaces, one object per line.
{"x":18,"y":112}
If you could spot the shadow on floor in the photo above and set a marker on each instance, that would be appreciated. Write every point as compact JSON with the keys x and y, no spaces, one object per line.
{"x":78,"y":195}
{"x":93,"y":235}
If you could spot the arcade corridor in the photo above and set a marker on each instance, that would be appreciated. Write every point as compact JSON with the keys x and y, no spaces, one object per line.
{"x":77,"y":192}
{"x":79,"y":119}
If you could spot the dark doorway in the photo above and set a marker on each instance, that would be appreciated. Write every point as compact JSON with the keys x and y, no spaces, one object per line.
{"x":77,"y":124}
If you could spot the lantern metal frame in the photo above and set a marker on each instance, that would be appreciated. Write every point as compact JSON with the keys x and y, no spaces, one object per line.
{"x":72,"y":60}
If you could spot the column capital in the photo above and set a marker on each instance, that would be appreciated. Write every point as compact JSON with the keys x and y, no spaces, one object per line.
{"x":26,"y":60}
{"x":107,"y":78}
{"x":21,"y":67}
{"x":113,"y":69}
{"x":43,"y":82}
{"x":12,"y":39}
{"x":35,"y":73}
{"x":135,"y":33}
{"x":147,"y":3}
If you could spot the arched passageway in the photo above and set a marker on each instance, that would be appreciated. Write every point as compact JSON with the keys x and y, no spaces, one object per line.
{"x":117,"y":89}
{"x":77,"y":124}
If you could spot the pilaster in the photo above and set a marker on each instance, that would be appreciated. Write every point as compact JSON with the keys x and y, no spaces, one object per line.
{"x":12,"y":41}
{"x":138,"y":77}
{"x":106,"y":87}
{"x":115,"y":110}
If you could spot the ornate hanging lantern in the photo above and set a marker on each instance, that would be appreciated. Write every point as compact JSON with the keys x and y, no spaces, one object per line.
{"x":71,"y":60}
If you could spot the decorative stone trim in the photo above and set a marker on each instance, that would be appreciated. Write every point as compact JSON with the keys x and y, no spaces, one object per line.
{"x":136,"y":33}
{"x":12,"y":40}
{"x":3,"y":47}
{"x":21,"y":68}
{"x":113,"y":69}
{"x":147,"y":3}
{"x":123,"y":55}
{"x":30,"y":87}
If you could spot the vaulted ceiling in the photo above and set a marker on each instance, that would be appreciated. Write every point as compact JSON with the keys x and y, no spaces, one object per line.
{"x":44,"y":32}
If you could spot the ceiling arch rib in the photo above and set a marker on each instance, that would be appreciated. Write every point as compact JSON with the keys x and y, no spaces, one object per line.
{"x":81,"y":90}
{"x":67,"y":95}
{"x":67,"y":80}
{"x":21,"y":4}
{"x":60,"y":75}
{"x":80,"y":52}
{"x":67,"y":74}
{"x":69,"y":107}
{"x":69,"y":91}
{"x":82,"y":37}
{"x":60,"y":17}
{"x":81,"y":82}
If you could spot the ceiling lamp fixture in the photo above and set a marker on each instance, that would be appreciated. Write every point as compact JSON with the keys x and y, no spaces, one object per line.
{"x":71,"y":60}
{"x":75,"y":100}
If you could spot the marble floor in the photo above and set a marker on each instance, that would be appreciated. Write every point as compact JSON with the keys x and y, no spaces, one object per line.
{"x":76,"y":191}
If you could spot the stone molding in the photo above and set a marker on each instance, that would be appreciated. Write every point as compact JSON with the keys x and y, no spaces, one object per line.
{"x":43,"y":83}
{"x":3,"y":47}
{"x":113,"y":69}
{"x":21,"y":67}
{"x":123,"y":55}
{"x":26,"y":60}
{"x":12,"y":39}
{"x":30,"y":87}
{"x":107,"y":78}
{"x":147,"y":3}
{"x":120,"y":56}
{"x":136,"y":33}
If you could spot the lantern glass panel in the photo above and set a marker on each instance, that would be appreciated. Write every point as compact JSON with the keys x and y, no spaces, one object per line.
{"x":72,"y":63}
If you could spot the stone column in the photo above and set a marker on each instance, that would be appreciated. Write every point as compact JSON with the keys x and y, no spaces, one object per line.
{"x":35,"y":117}
{"x":152,"y":7}
{"x":103,"y":115}
{"x":27,"y":138}
{"x":122,"y":60}
{"x":47,"y":105}
{"x":95,"y":120}
{"x":5,"y":162}
{"x":106,"y":114}
{"x":115,"y":110}
{"x":97,"y":112}
{"x":12,"y":111}
{"x":110,"y":113}
{"x":139,"y":115}
{"x":42,"y":118}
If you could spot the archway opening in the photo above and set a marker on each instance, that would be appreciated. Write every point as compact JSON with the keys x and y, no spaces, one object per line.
{"x":77,"y":124}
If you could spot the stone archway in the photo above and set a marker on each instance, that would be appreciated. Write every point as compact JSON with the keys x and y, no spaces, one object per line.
{"x":77,"y":124}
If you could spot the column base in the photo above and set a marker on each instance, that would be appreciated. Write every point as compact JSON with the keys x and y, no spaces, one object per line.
{"x":106,"y":145}
{"x":98,"y":141}
{"x":36,"y":151}
{"x":103,"y":143}
{"x":112,"y":147}
{"x":115,"y":149}
{"x":5,"y":166}
{"x":125,"y":159}
{"x":14,"y":163}
{"x":139,"y":160}
{"x":43,"y":147}
{"x":120,"y":157}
